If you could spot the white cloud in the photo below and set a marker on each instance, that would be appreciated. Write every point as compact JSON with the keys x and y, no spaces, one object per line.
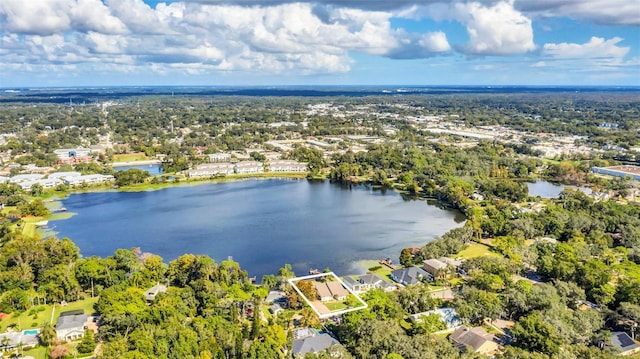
{"x":495,"y":30}
{"x":200,"y":37}
{"x":596,"y":48}
{"x":45,"y":17}
{"x":596,"y":55}
{"x":607,"y":12}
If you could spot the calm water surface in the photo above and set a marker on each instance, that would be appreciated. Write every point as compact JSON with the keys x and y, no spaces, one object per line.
{"x":153,"y":169}
{"x":261,"y":223}
{"x":546,"y":189}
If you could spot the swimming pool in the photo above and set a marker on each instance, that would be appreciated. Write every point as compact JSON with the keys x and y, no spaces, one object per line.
{"x":30,"y":332}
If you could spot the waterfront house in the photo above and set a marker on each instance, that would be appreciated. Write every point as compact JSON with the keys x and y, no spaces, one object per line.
{"x":435,"y":268}
{"x":337,"y":290}
{"x":72,"y":326}
{"x":410,"y":275}
{"x":367,"y":282}
{"x":324,"y":294}
{"x":476,"y":339}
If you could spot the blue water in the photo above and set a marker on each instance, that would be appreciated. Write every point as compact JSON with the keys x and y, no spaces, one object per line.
{"x":260,"y":223}
{"x":546,"y":189}
{"x":153,"y":170}
{"x":30,"y":332}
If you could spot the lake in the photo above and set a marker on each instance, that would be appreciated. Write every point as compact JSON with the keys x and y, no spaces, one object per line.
{"x":153,"y":169}
{"x":547,"y":189}
{"x":262,"y":224}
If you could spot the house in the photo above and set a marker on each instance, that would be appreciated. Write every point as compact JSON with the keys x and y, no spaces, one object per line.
{"x":324,"y":294}
{"x":435,"y":268}
{"x":276,"y":296}
{"x":448,"y":315}
{"x":151,"y":293}
{"x":410,"y":275}
{"x":367,"y":282}
{"x":337,"y":290}
{"x":70,"y":327}
{"x":623,"y":342}
{"x":313,"y":344}
{"x":476,"y":339}
{"x":304,"y":333}
{"x":13,"y":340}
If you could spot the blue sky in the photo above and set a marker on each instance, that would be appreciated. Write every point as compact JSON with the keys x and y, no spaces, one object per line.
{"x":306,"y":42}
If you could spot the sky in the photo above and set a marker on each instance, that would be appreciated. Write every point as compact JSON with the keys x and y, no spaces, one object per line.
{"x":319,"y":42}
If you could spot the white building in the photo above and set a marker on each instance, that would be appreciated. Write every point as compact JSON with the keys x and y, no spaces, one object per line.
{"x":88,"y":179}
{"x":25,"y":177}
{"x":220,"y":157}
{"x":211,"y":169}
{"x":287,"y":166}
{"x":63,"y":175}
{"x":249,"y":167}
{"x":67,"y":153}
{"x":45,"y":183}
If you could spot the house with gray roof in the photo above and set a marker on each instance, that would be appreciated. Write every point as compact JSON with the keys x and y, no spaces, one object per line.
{"x":151,"y":293}
{"x":623,"y":342}
{"x":313,"y":344}
{"x":409,"y":275}
{"x":367,"y":282}
{"x":13,"y":340}
{"x":69,"y":327}
{"x":476,"y":339}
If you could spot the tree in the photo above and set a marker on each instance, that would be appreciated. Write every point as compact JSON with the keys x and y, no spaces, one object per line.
{"x":307,"y":289}
{"x":406,"y":259}
{"x":88,"y":344}
{"x":534,"y":333}
{"x":47,"y":334}
{"x":58,"y":349}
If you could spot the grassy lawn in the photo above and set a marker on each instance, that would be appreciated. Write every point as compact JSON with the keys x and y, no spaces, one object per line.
{"x":130,"y":157}
{"x":38,"y":352}
{"x":383,"y":271}
{"x":334,"y":306}
{"x":476,"y":250}
{"x":86,"y":305}
{"x":43,"y":314}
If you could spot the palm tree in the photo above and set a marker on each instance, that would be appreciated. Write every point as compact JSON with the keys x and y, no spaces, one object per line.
{"x":48,"y":334}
